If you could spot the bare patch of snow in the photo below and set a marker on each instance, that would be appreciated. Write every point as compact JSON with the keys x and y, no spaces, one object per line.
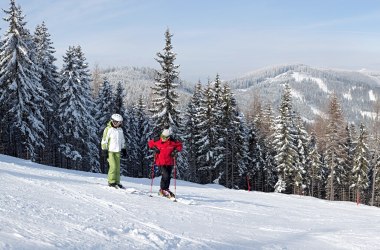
{"x":371,"y":115}
{"x":348,"y":95}
{"x":372,"y":96}
{"x":297,"y":95}
{"x":321,"y":84}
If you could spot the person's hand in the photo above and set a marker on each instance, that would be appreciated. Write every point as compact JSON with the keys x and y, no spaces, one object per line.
{"x":124,"y":152}
{"x":174,"y":153}
{"x":156,"y":150}
{"x":105,"y":153}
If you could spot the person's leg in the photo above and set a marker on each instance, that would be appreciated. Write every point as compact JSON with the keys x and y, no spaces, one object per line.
{"x":166,"y":175}
{"x":114,"y":168}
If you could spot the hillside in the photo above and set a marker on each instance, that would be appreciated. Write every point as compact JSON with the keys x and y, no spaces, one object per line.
{"x":357,"y":91}
{"x":49,"y":208}
{"x":139,"y":80}
{"x":311,"y":88}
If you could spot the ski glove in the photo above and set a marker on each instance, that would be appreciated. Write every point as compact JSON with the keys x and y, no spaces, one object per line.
{"x":156,"y":150}
{"x":105,"y":153}
{"x":174,"y":153}
{"x":124,"y":152}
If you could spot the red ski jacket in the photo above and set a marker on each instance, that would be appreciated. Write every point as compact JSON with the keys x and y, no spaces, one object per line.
{"x":164,"y":158}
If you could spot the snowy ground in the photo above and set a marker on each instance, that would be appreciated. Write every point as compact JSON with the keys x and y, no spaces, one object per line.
{"x":48,"y":208}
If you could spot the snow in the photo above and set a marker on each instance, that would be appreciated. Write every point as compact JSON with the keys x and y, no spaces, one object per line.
{"x":372,"y":96}
{"x":296,"y":94}
{"x":49,"y":208}
{"x":371,"y":115}
{"x":318,"y":112}
{"x":348,"y":95}
{"x":301,"y":77}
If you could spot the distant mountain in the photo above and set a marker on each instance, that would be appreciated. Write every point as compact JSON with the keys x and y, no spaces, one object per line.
{"x":311,"y":89}
{"x":139,"y":80}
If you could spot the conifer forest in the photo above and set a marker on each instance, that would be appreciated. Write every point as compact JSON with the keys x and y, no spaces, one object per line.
{"x":53,"y":115}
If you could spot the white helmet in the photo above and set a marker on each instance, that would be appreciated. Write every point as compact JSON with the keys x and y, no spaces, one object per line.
{"x":116,"y":118}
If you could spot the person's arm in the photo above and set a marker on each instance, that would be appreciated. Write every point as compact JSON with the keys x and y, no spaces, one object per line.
{"x":105,"y":139}
{"x":178,"y":146}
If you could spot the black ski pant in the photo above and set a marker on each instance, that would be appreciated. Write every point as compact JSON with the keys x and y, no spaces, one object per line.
{"x":166,"y":172}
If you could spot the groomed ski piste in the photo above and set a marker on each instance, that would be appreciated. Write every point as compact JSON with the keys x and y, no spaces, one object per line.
{"x":43,"y":207}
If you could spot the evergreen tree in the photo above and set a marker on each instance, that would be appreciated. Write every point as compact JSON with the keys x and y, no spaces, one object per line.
{"x":104,"y":107}
{"x":348,"y":146}
{"x":164,"y":104}
{"x":77,"y":126}
{"x":302,"y":142}
{"x":119,"y":107}
{"x":361,"y":164}
{"x":90,"y":148}
{"x":191,"y":121}
{"x":49,"y":80}
{"x":205,"y":137}
{"x":334,"y":149}
{"x":210,"y":139}
{"x":233,"y":159}
{"x":21,"y":92}
{"x":375,"y":196}
{"x":314,"y":169}
{"x":284,"y":144}
{"x":130,"y":126}
{"x":143,"y":156}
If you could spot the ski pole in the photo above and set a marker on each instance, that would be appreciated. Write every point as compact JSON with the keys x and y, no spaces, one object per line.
{"x":249,"y":185}
{"x":152,"y":176}
{"x":175,"y":180}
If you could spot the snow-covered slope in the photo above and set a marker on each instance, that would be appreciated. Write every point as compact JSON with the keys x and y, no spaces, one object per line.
{"x":48,"y":208}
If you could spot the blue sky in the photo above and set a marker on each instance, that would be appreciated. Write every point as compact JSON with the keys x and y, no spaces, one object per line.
{"x":213,"y":36}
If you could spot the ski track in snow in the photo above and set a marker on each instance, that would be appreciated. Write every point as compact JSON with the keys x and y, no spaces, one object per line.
{"x":50,"y":208}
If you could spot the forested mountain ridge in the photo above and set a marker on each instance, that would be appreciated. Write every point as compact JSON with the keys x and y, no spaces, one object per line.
{"x":357,"y":91}
{"x":311,"y":87}
{"x":138,"y":81}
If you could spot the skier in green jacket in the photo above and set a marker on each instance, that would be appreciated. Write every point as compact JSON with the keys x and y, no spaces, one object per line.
{"x":113,"y":142}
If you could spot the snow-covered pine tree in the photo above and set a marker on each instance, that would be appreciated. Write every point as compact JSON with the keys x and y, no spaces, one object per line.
{"x":314,"y":170}
{"x":375,"y":182}
{"x":77,"y":126}
{"x":191,"y":122}
{"x":375,"y":193}
{"x":90,"y":154}
{"x":164,"y":103}
{"x":21,"y":92}
{"x":255,"y":179}
{"x":210,"y":137}
{"x":144,"y":159}
{"x":334,"y":156}
{"x":104,"y":107}
{"x":234,"y":153}
{"x":49,"y":79}
{"x":128,"y":165}
{"x":205,"y":138}
{"x":284,"y":144}
{"x":360,"y":169}
{"x":267,"y":130}
{"x":302,"y":142}
{"x":349,"y":146}
{"x":119,"y":107}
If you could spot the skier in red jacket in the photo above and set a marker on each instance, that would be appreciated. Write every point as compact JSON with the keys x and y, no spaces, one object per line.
{"x":165,"y":150}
